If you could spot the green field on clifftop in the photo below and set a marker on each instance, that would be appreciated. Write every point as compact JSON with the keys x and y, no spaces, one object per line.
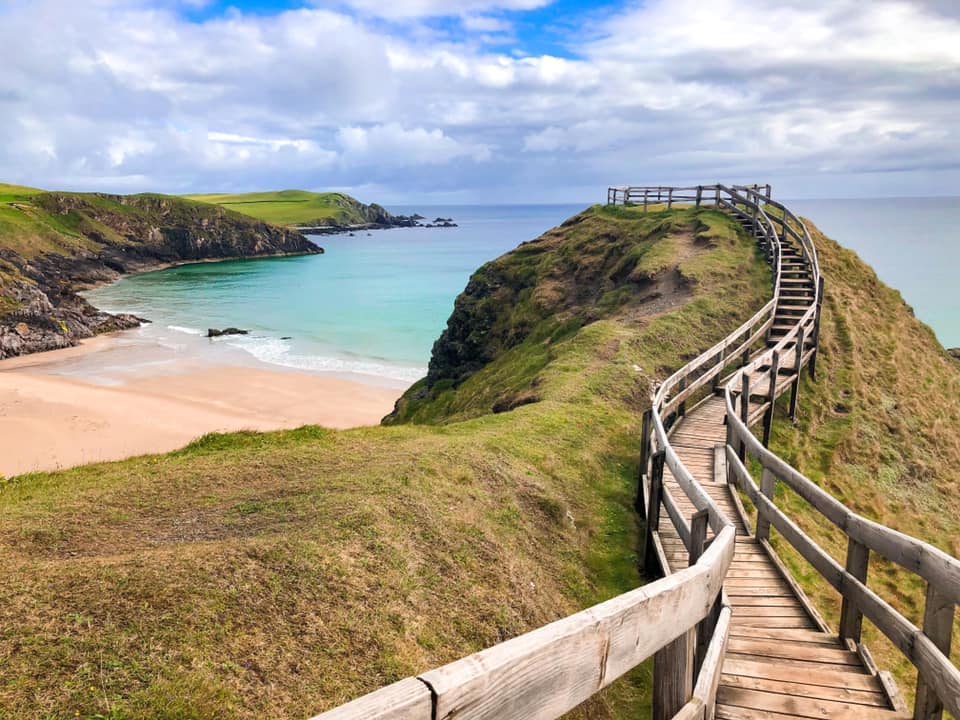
{"x":281,"y":574}
{"x":289,"y":207}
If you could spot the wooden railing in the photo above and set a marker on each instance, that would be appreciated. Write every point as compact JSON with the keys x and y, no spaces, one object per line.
{"x":683,"y":619}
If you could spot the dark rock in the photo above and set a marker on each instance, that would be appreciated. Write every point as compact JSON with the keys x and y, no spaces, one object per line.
{"x":954,"y":353}
{"x":286,"y":337}
{"x":213,"y":332}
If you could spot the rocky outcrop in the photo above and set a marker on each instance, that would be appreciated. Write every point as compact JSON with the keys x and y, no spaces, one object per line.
{"x":214,"y":332}
{"x":100,"y":237}
{"x":954,"y":353}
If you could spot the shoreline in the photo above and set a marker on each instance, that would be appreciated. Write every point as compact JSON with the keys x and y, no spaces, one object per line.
{"x":51,"y":421}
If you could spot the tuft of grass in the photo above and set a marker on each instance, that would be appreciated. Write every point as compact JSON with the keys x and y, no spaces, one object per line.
{"x":281,"y":574}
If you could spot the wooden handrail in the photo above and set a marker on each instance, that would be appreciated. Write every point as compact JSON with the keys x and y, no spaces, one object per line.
{"x":544,"y":673}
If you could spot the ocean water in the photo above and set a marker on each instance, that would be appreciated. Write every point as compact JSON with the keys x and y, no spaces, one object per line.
{"x":371,"y":306}
{"x":912,"y":243}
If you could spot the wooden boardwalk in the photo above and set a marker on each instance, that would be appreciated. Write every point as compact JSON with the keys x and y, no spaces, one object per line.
{"x":781,"y":661}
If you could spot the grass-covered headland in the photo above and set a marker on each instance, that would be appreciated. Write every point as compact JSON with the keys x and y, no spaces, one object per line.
{"x":301,"y":208}
{"x":277,"y":575}
{"x":54,"y":243}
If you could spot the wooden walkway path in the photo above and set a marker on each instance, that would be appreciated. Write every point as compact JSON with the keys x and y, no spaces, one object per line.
{"x":781,"y":661}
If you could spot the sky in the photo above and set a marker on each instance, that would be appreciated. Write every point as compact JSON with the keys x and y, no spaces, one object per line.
{"x":481,"y":101}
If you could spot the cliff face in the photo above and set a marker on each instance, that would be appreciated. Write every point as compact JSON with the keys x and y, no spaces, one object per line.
{"x":56,"y":243}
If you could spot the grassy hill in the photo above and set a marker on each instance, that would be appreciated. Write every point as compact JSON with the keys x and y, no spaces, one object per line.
{"x":277,"y":575}
{"x":298,"y":207}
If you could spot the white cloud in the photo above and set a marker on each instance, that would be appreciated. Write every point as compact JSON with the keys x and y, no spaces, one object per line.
{"x":394,"y":145}
{"x":485,"y":24}
{"x":133,"y":96}
{"x":396,"y":9}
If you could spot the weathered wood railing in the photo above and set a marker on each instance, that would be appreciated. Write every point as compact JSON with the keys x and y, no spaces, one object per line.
{"x":683,"y":619}
{"x":928,"y":649}
{"x":547,"y":672}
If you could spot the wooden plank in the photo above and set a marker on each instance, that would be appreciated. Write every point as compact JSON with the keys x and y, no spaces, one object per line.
{"x":802,"y":690}
{"x":794,"y":651}
{"x":731,"y":712}
{"x":814,"y":637}
{"x":799,"y":665}
{"x":775,"y":670}
{"x":771,"y":622}
{"x":763,"y":572}
{"x":762,"y":601}
{"x":409,"y":699}
{"x":785,"y":705}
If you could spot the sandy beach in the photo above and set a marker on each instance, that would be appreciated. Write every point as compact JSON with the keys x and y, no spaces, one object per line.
{"x":51,"y":420}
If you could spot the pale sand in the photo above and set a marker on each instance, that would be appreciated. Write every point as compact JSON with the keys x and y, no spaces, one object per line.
{"x":48,"y":422}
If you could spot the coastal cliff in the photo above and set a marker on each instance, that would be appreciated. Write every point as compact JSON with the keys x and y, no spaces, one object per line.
{"x":53,"y":244}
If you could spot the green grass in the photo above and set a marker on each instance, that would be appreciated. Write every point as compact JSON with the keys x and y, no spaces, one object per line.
{"x":288,"y":207}
{"x":280,"y":574}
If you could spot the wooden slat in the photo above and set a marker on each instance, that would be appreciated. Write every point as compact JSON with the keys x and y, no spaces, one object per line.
{"x":775,"y":670}
{"x":795,"y":651}
{"x":799,"y":689}
{"x":792,"y":706}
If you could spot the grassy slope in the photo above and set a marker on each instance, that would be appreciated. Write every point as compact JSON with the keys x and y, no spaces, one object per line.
{"x":276,"y":575}
{"x":288,"y":207}
{"x":878,"y":429}
{"x":29,"y":228}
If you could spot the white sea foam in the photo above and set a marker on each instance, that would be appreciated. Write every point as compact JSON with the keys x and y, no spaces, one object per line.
{"x":278,"y":352}
{"x":186,"y":330}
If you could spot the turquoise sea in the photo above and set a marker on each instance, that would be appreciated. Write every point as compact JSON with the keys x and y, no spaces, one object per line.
{"x":373,"y":304}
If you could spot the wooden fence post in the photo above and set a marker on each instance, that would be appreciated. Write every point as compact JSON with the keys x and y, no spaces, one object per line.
{"x":744,"y":413}
{"x":768,"y":482}
{"x":730,"y":476}
{"x":772,"y":392}
{"x":651,"y":562}
{"x":816,"y":332}
{"x":670,"y":199}
{"x":646,"y":194}
{"x":638,"y":504}
{"x":682,"y":407}
{"x":938,"y":626}
{"x":698,"y":540}
{"x":721,"y":356}
{"x":795,"y":386}
{"x":673,"y":676}
{"x":699,"y":194}
{"x":851,"y":619}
